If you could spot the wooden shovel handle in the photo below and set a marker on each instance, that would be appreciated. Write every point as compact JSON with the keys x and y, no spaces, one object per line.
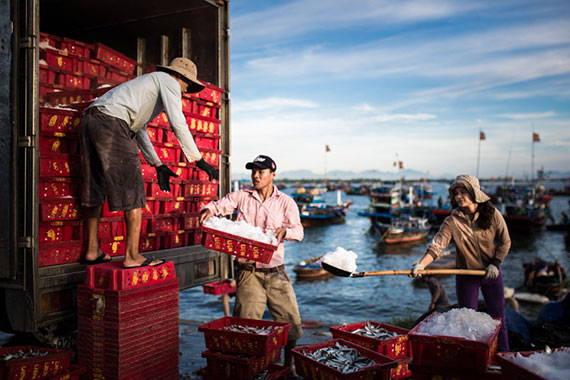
{"x":470,"y":272}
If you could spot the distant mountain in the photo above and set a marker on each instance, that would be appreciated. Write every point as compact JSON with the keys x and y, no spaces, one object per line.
{"x":343,"y":175}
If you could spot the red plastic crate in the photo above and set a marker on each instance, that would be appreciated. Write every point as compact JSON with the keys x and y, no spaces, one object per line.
{"x":197,"y":204}
{"x":427,"y":373}
{"x":78,"y":48}
{"x":73,"y":373}
{"x":59,"y":253}
{"x":211,"y":156}
{"x":59,"y":210}
{"x":167,"y":153}
{"x":66,"y":144}
{"x":219,"y":287}
{"x":196,"y":174}
{"x":58,"y":189}
{"x":105,"y":212}
{"x":396,"y":347}
{"x":163,"y":224}
{"x":241,"y":342}
{"x":311,"y":369}
{"x":111,"y":228}
{"x":174,"y":240}
{"x":191,"y":221}
{"x":59,"y":120}
{"x":91,"y":67}
{"x":402,"y":371}
{"x":237,"y":366}
{"x":35,"y":368}
{"x":237,"y":245}
{"x":56,"y":232}
{"x":58,"y":59}
{"x":74,"y":82}
{"x":203,"y":124}
{"x":182,"y":172}
{"x":201,"y":189}
{"x":114,"y":58}
{"x":275,"y":372}
{"x":114,"y":246}
{"x":148,"y":172}
{"x":59,"y":165}
{"x":149,"y":243}
{"x":48,"y":76}
{"x":115,"y":277}
{"x":207,"y":109}
{"x":211,"y":93}
{"x":453,"y":353}
{"x":514,"y":371}
{"x":207,"y":141}
{"x":50,"y":39}
{"x":149,"y":208}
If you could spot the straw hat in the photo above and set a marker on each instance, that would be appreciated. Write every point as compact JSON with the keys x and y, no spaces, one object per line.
{"x":188,"y":70}
{"x":471,"y":183}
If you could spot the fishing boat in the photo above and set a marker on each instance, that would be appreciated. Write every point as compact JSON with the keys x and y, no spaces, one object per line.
{"x":384,"y":201}
{"x":313,"y":209}
{"x":404,"y":229}
{"x":310,"y":269}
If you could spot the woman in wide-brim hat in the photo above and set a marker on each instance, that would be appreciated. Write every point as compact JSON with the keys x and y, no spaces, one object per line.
{"x":482,"y":241}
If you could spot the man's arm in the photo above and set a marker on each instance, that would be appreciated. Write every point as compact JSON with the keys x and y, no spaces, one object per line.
{"x":292,"y":229}
{"x":147,"y":149}
{"x":224,"y":206}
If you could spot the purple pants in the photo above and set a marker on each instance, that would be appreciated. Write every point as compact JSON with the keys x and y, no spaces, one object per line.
{"x":467,"y":289}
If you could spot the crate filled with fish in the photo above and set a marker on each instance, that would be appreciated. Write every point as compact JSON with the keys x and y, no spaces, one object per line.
{"x":238,"y":366}
{"x":239,"y":239}
{"x":535,"y":365}
{"x":461,"y":339}
{"x":274,"y":372}
{"x":387,"y":340}
{"x":341,"y":359}
{"x":244,"y":335}
{"x":30,"y":362}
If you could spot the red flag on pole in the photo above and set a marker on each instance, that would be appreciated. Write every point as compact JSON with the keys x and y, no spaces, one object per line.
{"x":535,"y":137}
{"x":400,"y":164}
{"x":481,"y":135}
{"x":327,"y":148}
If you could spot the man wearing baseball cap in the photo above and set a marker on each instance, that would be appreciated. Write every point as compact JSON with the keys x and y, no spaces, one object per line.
{"x":260,"y":285}
{"x":112,"y":130}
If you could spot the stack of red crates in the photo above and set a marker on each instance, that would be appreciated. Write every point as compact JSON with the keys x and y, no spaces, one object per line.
{"x":128,"y":322}
{"x":397,"y":347}
{"x":170,"y":220}
{"x":452,"y":358}
{"x":239,"y":355}
{"x":72,"y":74}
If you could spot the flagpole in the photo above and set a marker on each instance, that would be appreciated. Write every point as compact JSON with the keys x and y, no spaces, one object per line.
{"x":478,"y":154}
{"x":532,"y":161}
{"x":326,"y":166}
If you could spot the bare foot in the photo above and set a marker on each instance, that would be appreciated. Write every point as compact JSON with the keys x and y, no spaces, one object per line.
{"x":94,"y":254}
{"x":140,"y":260}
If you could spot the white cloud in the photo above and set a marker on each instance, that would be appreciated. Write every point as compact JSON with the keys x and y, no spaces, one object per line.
{"x":528,"y":116}
{"x":270,"y":104}
{"x":405,"y":117}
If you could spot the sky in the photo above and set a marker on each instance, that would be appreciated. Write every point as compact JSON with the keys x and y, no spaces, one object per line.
{"x":415,"y":81}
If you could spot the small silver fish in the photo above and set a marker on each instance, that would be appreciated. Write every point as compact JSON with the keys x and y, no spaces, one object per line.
{"x":249,"y":329}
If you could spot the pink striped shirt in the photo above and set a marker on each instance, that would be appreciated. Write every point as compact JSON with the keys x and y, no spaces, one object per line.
{"x":279,"y":210}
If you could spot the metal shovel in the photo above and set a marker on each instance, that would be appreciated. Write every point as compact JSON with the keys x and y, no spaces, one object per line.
{"x":343,"y":273}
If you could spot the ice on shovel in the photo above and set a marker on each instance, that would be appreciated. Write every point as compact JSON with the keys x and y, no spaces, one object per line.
{"x":241,"y":228}
{"x":341,"y":259}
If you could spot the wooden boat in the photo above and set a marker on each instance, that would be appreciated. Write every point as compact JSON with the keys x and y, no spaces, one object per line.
{"x":313,"y":209}
{"x":404,"y":229}
{"x":309,"y":270}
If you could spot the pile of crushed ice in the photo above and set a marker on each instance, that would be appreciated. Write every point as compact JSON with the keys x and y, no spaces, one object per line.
{"x":341,"y":259}
{"x":241,"y":228}
{"x":552,"y":366}
{"x":462,"y":323}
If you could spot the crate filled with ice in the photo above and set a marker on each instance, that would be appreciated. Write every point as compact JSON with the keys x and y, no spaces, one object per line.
{"x":536,"y":365}
{"x":239,"y":239}
{"x":461,"y":339}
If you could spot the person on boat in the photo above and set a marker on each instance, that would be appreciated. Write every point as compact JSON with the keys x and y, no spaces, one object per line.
{"x":111,"y":132}
{"x":260,"y":285}
{"x":482,"y":241}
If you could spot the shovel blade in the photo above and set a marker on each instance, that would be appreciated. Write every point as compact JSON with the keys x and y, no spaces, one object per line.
{"x":336,"y":271}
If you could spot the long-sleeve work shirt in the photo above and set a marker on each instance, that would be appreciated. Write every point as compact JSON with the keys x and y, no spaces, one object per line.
{"x":476,"y":248}
{"x":279,"y":210}
{"x":139,"y":101}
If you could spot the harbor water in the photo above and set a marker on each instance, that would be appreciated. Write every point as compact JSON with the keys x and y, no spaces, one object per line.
{"x":338,"y":300}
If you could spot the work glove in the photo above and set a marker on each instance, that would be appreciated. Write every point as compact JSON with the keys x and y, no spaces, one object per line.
{"x":417,"y":266}
{"x":163,"y":173}
{"x":491,"y":271}
{"x":213,"y":173}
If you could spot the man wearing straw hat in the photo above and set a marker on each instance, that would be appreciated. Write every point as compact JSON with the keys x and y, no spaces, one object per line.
{"x":482,"y":241}
{"x":265,"y":285}
{"x":112,"y":130}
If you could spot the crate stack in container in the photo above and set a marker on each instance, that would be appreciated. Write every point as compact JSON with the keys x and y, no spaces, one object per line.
{"x":72,"y":74}
{"x":396,"y":347}
{"x":449,"y":357}
{"x":128,"y":322}
{"x":170,"y":219}
{"x":238,"y":355}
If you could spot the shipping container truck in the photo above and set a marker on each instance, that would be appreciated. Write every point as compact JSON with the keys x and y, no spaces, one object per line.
{"x":39,"y":241}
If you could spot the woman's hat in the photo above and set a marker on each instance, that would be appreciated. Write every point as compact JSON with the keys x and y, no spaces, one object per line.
{"x":472,"y":185}
{"x":188,"y":70}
